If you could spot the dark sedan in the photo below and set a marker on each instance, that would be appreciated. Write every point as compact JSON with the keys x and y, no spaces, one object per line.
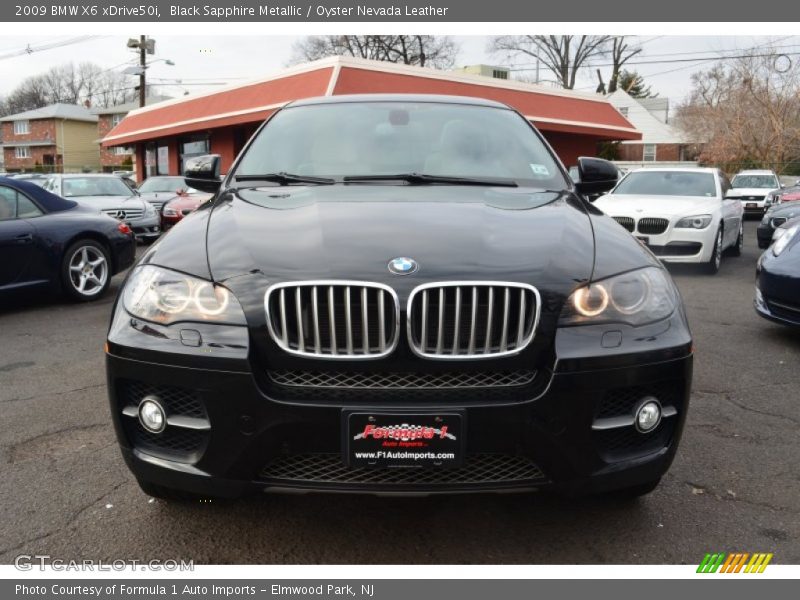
{"x":775,"y":216}
{"x":778,"y":277}
{"x":398,"y":294}
{"x":52,"y":243}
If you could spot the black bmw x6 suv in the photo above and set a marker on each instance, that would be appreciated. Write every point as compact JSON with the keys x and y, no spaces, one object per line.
{"x":398,"y":294}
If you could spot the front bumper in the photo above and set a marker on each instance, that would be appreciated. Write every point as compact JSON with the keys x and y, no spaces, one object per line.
{"x":776,"y":293}
{"x":146,"y":229}
{"x":262,"y":437}
{"x":683,"y":245}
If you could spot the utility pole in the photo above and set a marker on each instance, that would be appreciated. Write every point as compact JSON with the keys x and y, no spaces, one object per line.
{"x":143,"y":66}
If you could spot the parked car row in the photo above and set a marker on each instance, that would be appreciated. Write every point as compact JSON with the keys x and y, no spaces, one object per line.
{"x":694,"y":215}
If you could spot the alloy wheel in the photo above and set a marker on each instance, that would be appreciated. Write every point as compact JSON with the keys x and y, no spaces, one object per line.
{"x":88,"y":271}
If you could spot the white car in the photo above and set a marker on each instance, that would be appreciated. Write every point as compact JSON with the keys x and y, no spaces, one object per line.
{"x":752,"y":188}
{"x":681,"y":215}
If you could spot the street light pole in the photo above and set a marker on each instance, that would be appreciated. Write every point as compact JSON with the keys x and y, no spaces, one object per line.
{"x":143,"y":65}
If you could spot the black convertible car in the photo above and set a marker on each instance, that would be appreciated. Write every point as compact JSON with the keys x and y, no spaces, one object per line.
{"x":778,"y":277}
{"x":47,"y":242}
{"x":398,"y":294}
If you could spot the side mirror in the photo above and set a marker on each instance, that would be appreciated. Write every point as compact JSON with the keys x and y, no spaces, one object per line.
{"x":202,"y":173}
{"x":595,"y":176}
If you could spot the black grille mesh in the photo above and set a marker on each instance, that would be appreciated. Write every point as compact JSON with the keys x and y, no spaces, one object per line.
{"x":622,"y":401}
{"x":384,"y":381}
{"x":175,"y":400}
{"x":175,"y":443}
{"x":329,"y":469}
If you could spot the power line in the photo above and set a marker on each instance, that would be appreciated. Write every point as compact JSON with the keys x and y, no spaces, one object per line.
{"x":30,"y":49}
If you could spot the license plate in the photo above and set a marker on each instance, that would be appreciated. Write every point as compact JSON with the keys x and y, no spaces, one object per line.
{"x":643,"y":239}
{"x":403,"y":440}
{"x":752,"y":205}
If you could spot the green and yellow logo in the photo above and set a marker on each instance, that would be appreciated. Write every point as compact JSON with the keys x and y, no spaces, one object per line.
{"x":736,"y":562}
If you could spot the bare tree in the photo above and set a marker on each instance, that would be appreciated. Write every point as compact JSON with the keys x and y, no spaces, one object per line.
{"x":746,"y":112}
{"x":621,"y":53}
{"x":423,"y":50}
{"x":70,"y":84}
{"x":562,"y":55}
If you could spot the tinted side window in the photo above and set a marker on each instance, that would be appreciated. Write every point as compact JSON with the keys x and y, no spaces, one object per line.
{"x":8,"y":204}
{"x":26,"y":208}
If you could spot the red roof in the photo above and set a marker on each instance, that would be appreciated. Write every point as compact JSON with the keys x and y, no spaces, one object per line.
{"x":549,"y":109}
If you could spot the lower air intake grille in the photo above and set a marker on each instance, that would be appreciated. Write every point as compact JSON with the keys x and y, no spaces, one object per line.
{"x":176,"y":442}
{"x":175,"y":400}
{"x":315,"y":469}
{"x":401,"y":381}
{"x":627,"y":222}
{"x":462,"y":320}
{"x":333,"y":319}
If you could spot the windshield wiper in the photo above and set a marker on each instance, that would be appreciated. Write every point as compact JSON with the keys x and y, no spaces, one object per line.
{"x":284,"y":178}
{"x":423,"y":179}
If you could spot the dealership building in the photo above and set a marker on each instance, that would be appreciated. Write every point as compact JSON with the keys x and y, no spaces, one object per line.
{"x":221,"y":121}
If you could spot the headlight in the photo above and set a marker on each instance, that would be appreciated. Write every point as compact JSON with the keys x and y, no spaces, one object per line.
{"x":782,"y":239}
{"x":695,"y":222}
{"x":149,"y":210}
{"x":636,"y":298}
{"x":164,"y":296}
{"x":170,"y":212}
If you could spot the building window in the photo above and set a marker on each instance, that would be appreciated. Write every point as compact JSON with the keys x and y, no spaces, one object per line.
{"x":499,"y":74}
{"x":122,"y":150}
{"x":116,"y":119}
{"x":649,"y":154}
{"x":22,"y":152}
{"x":623,"y":111}
{"x":22,"y":127}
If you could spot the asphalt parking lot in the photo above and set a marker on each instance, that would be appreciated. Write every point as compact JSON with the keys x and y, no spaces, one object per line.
{"x":735,"y":485}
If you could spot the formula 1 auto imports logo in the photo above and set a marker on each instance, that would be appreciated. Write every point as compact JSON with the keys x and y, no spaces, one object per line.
{"x":403,"y":432}
{"x":735,"y":562}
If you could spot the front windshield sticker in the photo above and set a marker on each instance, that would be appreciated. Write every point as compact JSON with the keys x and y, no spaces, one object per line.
{"x":540,"y":170}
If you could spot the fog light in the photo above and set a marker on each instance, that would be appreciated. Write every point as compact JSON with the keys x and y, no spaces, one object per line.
{"x":648,"y":416}
{"x":151,"y":415}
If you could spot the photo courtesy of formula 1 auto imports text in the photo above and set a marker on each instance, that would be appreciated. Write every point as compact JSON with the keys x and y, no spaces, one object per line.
{"x":368,"y":300}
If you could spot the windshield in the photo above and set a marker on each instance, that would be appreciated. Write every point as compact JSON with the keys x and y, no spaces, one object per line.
{"x":164,"y":184}
{"x":755,"y":181}
{"x":667,"y":183}
{"x":94,"y":186}
{"x":386,"y":138}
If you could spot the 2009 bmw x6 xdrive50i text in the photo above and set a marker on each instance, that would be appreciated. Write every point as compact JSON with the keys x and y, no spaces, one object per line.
{"x":398,"y":294}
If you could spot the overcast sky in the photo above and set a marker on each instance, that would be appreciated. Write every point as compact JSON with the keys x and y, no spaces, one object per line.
{"x":226,"y":59}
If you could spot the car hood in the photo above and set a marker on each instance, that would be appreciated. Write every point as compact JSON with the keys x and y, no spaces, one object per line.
{"x":109,"y":202}
{"x":741,"y":192}
{"x":636,"y":206}
{"x":158,"y":196}
{"x":788,"y":210}
{"x":188,"y":201}
{"x":352,"y":232}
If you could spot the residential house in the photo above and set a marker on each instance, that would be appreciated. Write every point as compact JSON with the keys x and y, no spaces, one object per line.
{"x":117,"y":158}
{"x":57,"y":138}
{"x":661,"y":142}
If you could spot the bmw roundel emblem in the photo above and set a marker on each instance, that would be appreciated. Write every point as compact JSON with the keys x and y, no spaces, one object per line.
{"x":403,"y":265}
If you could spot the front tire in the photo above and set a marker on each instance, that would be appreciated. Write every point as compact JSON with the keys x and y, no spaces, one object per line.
{"x":713,"y":264}
{"x":86,"y":270}
{"x":736,"y":249}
